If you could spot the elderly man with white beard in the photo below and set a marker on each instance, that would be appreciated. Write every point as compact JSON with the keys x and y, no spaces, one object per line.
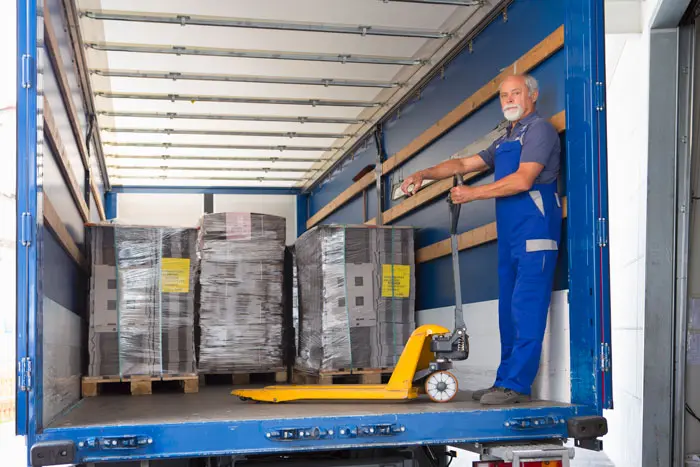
{"x":528,"y":218}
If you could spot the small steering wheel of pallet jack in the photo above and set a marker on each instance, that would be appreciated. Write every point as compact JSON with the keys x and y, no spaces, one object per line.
{"x":422,"y":367}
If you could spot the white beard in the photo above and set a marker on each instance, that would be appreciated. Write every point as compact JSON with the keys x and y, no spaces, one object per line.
{"x":513,"y":113}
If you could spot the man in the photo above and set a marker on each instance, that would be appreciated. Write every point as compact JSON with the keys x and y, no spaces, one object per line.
{"x":528,"y":218}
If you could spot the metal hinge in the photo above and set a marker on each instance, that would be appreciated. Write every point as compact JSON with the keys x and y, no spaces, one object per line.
{"x":26,"y":233}
{"x":599,"y":99}
{"x":27,"y":229}
{"x":602,"y":232}
{"x":604,"y":357}
{"x":25,"y":374}
{"x":27,"y":71}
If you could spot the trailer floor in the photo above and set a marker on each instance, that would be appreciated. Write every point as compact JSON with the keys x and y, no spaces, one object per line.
{"x":215,"y":404}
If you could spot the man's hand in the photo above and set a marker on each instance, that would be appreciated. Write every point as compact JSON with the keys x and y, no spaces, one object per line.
{"x":416,"y":180}
{"x":462,"y":194}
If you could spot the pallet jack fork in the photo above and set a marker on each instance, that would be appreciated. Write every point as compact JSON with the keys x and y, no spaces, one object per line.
{"x":422,"y":367}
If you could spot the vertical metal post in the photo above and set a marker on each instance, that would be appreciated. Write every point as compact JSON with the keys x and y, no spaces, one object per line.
{"x":110,"y":205}
{"x":208,"y":203}
{"x":686,"y":52}
{"x":378,"y":174}
{"x":657,"y":410}
{"x":303,"y":201}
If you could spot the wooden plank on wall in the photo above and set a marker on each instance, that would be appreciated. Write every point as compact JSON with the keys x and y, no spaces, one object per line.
{"x":54,"y":140}
{"x":524,"y":64}
{"x":469,"y":239}
{"x":98,"y":199}
{"x":443,"y":186}
{"x":354,"y":189}
{"x":53,"y":220}
{"x":54,"y":54}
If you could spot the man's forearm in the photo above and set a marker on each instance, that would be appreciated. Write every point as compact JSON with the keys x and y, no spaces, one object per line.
{"x":442,"y":170}
{"x":507,"y":186}
{"x":451,"y":167}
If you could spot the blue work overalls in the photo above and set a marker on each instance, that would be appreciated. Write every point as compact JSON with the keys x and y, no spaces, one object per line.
{"x":529,"y":231}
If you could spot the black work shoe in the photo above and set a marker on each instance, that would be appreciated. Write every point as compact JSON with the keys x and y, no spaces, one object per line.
{"x":504,"y":397}
{"x":477,"y":395}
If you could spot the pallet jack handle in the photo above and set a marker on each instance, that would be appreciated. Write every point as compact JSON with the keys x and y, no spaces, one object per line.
{"x":454,"y":220}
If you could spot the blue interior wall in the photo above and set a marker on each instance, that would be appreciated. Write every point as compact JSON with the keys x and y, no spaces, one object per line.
{"x":61,"y":279}
{"x":59,"y":271}
{"x":497,"y":46}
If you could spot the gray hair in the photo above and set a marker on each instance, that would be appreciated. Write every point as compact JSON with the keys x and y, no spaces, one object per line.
{"x":531,"y":83}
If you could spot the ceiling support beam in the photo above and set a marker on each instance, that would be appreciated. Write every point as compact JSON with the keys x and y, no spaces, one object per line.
{"x":175,"y":76}
{"x":223,"y":146}
{"x":237,"y":100}
{"x":240,"y":118}
{"x":186,"y":20}
{"x":166,"y":157}
{"x":258,"y":54}
{"x":231,"y":179}
{"x":210,"y":169}
{"x":260,"y":134}
{"x":442,"y":2}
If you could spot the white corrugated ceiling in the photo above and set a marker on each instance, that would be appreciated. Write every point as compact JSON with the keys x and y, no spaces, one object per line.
{"x":254,"y":103}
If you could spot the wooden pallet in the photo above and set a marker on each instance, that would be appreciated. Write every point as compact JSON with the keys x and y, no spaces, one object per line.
{"x":275,"y":375}
{"x":344,"y":376}
{"x":139,"y":385}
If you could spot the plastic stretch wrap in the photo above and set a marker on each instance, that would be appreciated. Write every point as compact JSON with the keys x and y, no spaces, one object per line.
{"x":241,"y":312}
{"x":142,"y":300}
{"x":350,"y":315}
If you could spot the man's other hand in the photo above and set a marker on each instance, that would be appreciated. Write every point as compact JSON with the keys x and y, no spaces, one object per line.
{"x":462,"y":194}
{"x":412,"y":184}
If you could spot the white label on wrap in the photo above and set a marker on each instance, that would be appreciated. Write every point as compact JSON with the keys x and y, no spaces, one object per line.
{"x":238,"y":226}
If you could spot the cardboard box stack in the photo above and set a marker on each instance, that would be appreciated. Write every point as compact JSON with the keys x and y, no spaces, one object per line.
{"x":241,"y":312}
{"x":356,"y":296}
{"x":141,"y":300}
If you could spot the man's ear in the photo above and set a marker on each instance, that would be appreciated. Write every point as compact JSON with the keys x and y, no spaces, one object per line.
{"x":535,"y":95}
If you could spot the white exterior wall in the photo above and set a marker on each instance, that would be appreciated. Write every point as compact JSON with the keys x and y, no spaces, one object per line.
{"x":627,"y":63}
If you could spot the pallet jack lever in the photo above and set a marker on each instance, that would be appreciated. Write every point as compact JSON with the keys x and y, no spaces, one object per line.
{"x":454,"y":220}
{"x":455,"y":345}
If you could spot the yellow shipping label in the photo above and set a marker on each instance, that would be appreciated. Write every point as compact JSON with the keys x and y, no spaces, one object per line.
{"x":175,"y":275}
{"x":401,"y":285}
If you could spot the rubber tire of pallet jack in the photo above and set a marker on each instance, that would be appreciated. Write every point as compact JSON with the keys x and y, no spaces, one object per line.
{"x":450,"y":376}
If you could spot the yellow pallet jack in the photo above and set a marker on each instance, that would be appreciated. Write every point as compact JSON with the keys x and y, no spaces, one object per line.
{"x":422,"y":366}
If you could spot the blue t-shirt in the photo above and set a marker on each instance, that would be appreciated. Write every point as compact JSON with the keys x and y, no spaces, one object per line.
{"x":539,"y":144}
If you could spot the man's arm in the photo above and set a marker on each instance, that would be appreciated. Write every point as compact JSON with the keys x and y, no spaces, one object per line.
{"x":512,"y":184}
{"x":444,"y":169}
{"x":452,"y":167}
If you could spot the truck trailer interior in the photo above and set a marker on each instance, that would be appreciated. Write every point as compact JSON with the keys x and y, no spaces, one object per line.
{"x":296,"y":98}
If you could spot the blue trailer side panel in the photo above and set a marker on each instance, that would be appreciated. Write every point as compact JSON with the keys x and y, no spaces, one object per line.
{"x":27,"y":212}
{"x":409,"y":428}
{"x":587,"y":183}
{"x":51,"y":285}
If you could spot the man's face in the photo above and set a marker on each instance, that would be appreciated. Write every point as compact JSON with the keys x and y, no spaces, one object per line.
{"x":516,"y":100}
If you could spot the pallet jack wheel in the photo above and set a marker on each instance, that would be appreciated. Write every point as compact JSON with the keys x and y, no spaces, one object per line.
{"x":441,"y":386}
